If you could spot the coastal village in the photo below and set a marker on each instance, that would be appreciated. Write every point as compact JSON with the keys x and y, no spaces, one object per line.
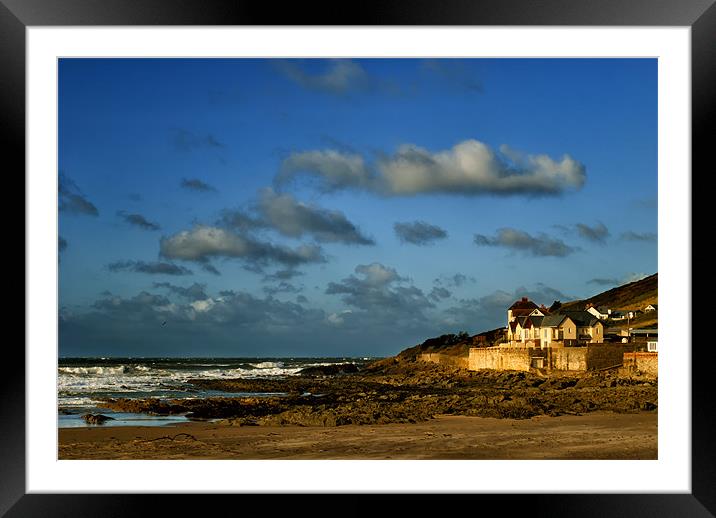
{"x":580,"y":336}
{"x":588,"y":361}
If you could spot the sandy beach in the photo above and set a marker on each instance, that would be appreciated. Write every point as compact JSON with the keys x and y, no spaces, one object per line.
{"x":597,"y":435}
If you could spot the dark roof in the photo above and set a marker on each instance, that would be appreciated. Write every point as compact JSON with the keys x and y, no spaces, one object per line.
{"x":582,"y":318}
{"x":553,"y":320}
{"x":524,"y":322}
{"x":521,"y":312}
{"x":513,"y":325}
{"x":537,"y":321}
{"x":524,"y":303}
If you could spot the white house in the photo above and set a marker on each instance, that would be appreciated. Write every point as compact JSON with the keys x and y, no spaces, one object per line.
{"x":529,"y":325}
{"x":600,"y":312}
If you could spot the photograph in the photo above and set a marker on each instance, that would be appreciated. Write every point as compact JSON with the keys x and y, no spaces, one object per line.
{"x":357,"y":258}
{"x":408,"y":250}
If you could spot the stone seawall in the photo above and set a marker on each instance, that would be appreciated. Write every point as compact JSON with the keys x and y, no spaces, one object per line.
{"x":500,"y":358}
{"x":445,"y":359}
{"x":646,"y":363}
{"x":593,"y":357}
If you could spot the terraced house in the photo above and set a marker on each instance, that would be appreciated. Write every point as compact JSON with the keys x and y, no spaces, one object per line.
{"x":530,"y":325}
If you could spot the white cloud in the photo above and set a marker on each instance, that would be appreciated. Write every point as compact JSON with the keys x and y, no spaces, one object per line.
{"x":334,"y":169}
{"x":202,"y":306}
{"x":470,"y":167}
{"x":202,"y":243}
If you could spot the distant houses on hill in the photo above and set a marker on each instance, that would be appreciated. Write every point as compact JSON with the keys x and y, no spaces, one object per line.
{"x":530,"y":325}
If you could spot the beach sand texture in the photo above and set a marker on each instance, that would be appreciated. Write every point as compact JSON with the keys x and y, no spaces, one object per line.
{"x":597,"y":435}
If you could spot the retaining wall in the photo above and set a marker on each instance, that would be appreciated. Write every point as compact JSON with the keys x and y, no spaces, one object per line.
{"x":593,"y":357}
{"x":500,"y":358}
{"x":647,"y":363}
{"x":445,"y":359}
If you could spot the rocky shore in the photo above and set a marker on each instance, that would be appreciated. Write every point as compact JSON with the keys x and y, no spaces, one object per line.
{"x":399,"y":390}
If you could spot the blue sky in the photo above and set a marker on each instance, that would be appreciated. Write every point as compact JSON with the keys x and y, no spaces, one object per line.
{"x":252,"y":207}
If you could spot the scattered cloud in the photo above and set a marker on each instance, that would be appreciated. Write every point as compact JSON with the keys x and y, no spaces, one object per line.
{"x":454,"y":281}
{"x":138,"y":221}
{"x":597,"y":234}
{"x":418,"y":233}
{"x":334,"y":170}
{"x":470,"y":167}
{"x":633,"y":277}
{"x":71,"y":199}
{"x":454,"y":71}
{"x":601,"y":281}
{"x":194,"y":292}
{"x":336,"y":76}
{"x":282,"y":275}
{"x":194,"y":184}
{"x":292,"y":218}
{"x":643,"y":237}
{"x":229,"y":309}
{"x":379,"y":295}
{"x":202,"y":243}
{"x":540,"y":245}
{"x":241,"y":221}
{"x":153,"y":268}
{"x":186,"y":140}
{"x":630,"y":277}
{"x":209,"y":268}
{"x":295,"y":219}
{"x":438,"y":293}
{"x":490,"y":311}
{"x":282,"y":287}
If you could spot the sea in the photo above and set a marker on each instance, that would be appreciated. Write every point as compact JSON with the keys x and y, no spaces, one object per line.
{"x":82,"y":382}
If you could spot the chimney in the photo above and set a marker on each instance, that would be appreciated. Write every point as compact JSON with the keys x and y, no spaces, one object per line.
{"x":524,"y":299}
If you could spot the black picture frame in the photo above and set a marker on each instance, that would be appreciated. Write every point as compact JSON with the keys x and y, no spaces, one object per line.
{"x":700,"y":15}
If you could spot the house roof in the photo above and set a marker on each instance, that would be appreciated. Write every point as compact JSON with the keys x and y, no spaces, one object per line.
{"x":582,"y":318}
{"x":537,"y":321}
{"x":553,"y":320}
{"x":524,"y":303}
{"x":513,"y":325}
{"x":525,"y":322}
{"x":521,"y":312}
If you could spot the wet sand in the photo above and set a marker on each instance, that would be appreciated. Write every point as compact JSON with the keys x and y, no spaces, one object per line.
{"x":596,"y":435}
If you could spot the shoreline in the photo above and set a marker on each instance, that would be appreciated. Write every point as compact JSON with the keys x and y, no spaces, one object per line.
{"x":596,"y":435}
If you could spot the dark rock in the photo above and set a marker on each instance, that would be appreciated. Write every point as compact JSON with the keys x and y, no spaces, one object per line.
{"x":96,"y":418}
{"x":329,"y":370}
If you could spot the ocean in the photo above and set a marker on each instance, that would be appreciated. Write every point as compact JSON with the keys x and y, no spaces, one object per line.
{"x":81,"y":382}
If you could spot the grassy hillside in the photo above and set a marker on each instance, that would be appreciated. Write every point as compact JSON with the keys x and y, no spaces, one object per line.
{"x":635,"y":295}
